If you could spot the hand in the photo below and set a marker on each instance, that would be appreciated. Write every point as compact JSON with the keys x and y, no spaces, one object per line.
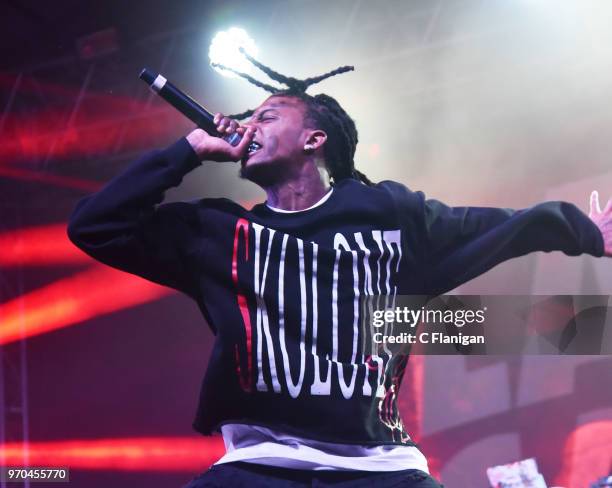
{"x":212,"y":148}
{"x":603,"y":220}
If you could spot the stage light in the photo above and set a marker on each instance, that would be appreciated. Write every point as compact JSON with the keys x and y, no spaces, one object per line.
{"x":145,"y":454}
{"x":224,"y":49}
{"x":69,"y":301}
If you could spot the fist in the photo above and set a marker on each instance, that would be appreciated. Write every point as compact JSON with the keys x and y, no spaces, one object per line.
{"x":212,"y":148}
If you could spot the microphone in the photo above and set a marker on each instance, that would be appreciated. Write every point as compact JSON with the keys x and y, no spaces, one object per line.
{"x":186,"y":105}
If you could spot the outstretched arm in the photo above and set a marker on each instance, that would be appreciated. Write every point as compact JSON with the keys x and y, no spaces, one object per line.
{"x":460,"y":243}
{"x":603,"y":220}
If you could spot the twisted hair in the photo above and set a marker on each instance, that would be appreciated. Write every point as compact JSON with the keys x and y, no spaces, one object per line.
{"x":321,"y":111}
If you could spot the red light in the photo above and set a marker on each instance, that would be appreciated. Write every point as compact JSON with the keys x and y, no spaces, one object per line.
{"x":97,"y":291}
{"x":51,"y":179}
{"x":586,"y":454}
{"x":131,"y":454}
{"x":36,"y":246}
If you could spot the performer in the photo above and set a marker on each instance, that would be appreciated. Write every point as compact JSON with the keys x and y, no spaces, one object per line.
{"x":296,"y":399}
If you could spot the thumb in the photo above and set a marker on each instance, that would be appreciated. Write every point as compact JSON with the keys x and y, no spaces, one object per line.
{"x":594,"y":205}
{"x":241,"y":148}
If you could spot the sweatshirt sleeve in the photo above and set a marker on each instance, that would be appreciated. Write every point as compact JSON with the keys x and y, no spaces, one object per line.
{"x":123,"y":225}
{"x":457,"y":244}
{"x":461,"y":243}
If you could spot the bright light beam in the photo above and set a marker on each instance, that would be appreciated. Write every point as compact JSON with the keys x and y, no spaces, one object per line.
{"x":224,"y":49}
{"x":98,"y":291}
{"x":165,"y":454}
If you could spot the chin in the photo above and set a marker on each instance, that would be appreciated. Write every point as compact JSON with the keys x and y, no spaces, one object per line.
{"x":261,"y":173}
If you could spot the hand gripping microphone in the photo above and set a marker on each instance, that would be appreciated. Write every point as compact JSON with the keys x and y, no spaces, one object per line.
{"x":186,"y":105}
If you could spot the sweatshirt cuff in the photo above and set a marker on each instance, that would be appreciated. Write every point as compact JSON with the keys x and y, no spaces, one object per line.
{"x":599,"y":243}
{"x":181,"y":156}
{"x":593,"y":241}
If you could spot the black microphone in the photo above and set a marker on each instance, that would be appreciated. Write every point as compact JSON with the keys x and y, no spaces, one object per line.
{"x":186,"y":105}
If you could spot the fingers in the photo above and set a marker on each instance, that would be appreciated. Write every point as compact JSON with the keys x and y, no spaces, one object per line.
{"x":225,"y":125}
{"x":233,"y":125}
{"x":239,"y":150}
{"x":608,"y":206}
{"x":594,"y":204}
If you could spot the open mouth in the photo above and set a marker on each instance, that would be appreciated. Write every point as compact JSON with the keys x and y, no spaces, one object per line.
{"x":253,"y":148}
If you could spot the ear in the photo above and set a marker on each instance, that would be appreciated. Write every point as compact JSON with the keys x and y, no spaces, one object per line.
{"x":314,"y":140}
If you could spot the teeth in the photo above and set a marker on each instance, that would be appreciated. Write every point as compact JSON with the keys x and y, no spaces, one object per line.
{"x":254,"y":146}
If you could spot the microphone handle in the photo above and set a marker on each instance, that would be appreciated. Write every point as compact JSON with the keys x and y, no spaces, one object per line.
{"x":186,"y":105}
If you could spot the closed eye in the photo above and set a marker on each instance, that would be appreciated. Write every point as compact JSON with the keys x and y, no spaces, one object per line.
{"x":266,"y":115}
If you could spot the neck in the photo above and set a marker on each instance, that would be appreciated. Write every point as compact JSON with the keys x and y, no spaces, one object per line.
{"x":300,"y":190}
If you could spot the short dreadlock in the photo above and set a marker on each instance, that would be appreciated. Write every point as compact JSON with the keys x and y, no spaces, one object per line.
{"x":322,"y":111}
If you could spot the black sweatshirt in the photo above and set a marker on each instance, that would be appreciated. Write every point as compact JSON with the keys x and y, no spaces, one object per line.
{"x":280,"y":290}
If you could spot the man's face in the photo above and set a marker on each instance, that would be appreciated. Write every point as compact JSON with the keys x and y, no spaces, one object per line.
{"x":281,"y":136}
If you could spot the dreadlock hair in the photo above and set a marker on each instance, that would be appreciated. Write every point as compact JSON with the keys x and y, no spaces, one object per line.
{"x":322,"y":111}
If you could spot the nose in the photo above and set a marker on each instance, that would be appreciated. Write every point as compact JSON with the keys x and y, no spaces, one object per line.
{"x":250,"y":123}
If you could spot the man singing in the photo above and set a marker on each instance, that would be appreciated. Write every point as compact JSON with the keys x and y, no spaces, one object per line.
{"x":297,"y":400}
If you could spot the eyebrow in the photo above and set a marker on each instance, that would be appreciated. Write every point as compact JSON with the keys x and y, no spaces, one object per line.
{"x":267,"y":109}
